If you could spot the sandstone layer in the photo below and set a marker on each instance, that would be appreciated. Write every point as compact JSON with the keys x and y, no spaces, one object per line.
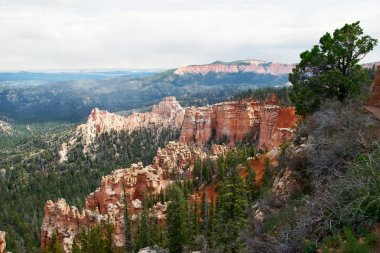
{"x":167,"y":113}
{"x":106,"y":204}
{"x":2,"y":242}
{"x":232,"y":122}
{"x":260,"y":67}
{"x":375,"y":96}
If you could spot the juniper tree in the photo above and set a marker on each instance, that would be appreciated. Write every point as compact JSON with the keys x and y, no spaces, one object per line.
{"x":330,"y":70}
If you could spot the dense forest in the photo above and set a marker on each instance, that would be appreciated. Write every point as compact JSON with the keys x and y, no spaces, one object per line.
{"x":31,"y":173}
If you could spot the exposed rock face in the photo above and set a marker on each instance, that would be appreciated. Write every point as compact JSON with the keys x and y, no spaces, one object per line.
{"x":6,"y":128}
{"x":106,"y":203}
{"x":152,"y":250}
{"x":375,"y":96}
{"x":276,"y":125}
{"x":260,"y":67}
{"x":167,"y":113}
{"x":177,"y":158}
{"x":233,"y":121}
{"x":2,"y":242}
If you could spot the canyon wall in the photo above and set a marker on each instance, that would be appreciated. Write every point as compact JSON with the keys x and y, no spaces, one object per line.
{"x":375,"y":96}
{"x":232,"y":122}
{"x":131,"y":184}
{"x":167,"y":113}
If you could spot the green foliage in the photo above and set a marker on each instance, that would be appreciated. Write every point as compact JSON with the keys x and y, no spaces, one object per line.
{"x":204,"y":213}
{"x":330,"y":70}
{"x":143,"y":236}
{"x":127,"y":227}
{"x":177,"y":221}
{"x":73,"y":100}
{"x":348,"y":242}
{"x":55,"y":246}
{"x":262,"y":94}
{"x":30,"y":173}
{"x":97,"y":239}
{"x":230,"y":213}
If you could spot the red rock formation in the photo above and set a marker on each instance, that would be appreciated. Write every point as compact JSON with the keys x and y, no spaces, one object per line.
{"x":2,"y":242}
{"x":167,"y":113}
{"x":260,"y":67}
{"x":234,"y":121}
{"x":106,"y":203}
{"x":264,"y":121}
{"x":375,"y":96}
{"x":374,"y":102}
{"x":177,"y":159}
{"x":276,"y":125}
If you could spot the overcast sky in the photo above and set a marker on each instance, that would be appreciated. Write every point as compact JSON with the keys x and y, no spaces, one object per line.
{"x":99,"y":34}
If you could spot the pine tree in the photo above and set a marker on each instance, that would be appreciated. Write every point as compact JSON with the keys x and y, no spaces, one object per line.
{"x":204,"y":210}
{"x":211,"y":221}
{"x":127,"y":227}
{"x":176,"y":221}
{"x":195,"y":217}
{"x":162,"y":197}
{"x":231,"y":215}
{"x":55,"y":246}
{"x":143,"y":236}
{"x":250,"y":185}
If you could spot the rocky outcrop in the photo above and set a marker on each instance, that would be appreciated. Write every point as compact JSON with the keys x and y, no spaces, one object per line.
{"x":152,"y":250}
{"x":375,"y":96}
{"x":177,"y":159}
{"x":2,"y":242}
{"x":167,"y":113}
{"x":6,"y":128}
{"x":106,"y":204}
{"x":234,"y":121}
{"x":276,"y":125}
{"x":255,"y":66}
{"x":374,"y":101}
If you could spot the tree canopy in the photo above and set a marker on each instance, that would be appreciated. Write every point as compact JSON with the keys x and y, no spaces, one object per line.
{"x":331,"y":69}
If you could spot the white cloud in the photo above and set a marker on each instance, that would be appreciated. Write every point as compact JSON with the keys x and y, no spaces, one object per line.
{"x":69,"y":34}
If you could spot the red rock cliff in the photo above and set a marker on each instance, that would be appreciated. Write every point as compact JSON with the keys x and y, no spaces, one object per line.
{"x":106,"y":203}
{"x":375,"y":96}
{"x":264,"y":121}
{"x":167,"y":113}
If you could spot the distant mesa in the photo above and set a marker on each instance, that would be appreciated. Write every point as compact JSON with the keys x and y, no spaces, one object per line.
{"x":244,"y":66}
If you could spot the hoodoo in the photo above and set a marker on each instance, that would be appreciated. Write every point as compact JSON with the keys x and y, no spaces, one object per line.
{"x":106,"y":203}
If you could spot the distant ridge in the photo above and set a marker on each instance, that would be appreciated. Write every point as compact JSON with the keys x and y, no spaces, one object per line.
{"x":241,"y":66}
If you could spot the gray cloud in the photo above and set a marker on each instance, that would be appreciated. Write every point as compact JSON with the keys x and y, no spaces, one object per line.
{"x":80,"y":34}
